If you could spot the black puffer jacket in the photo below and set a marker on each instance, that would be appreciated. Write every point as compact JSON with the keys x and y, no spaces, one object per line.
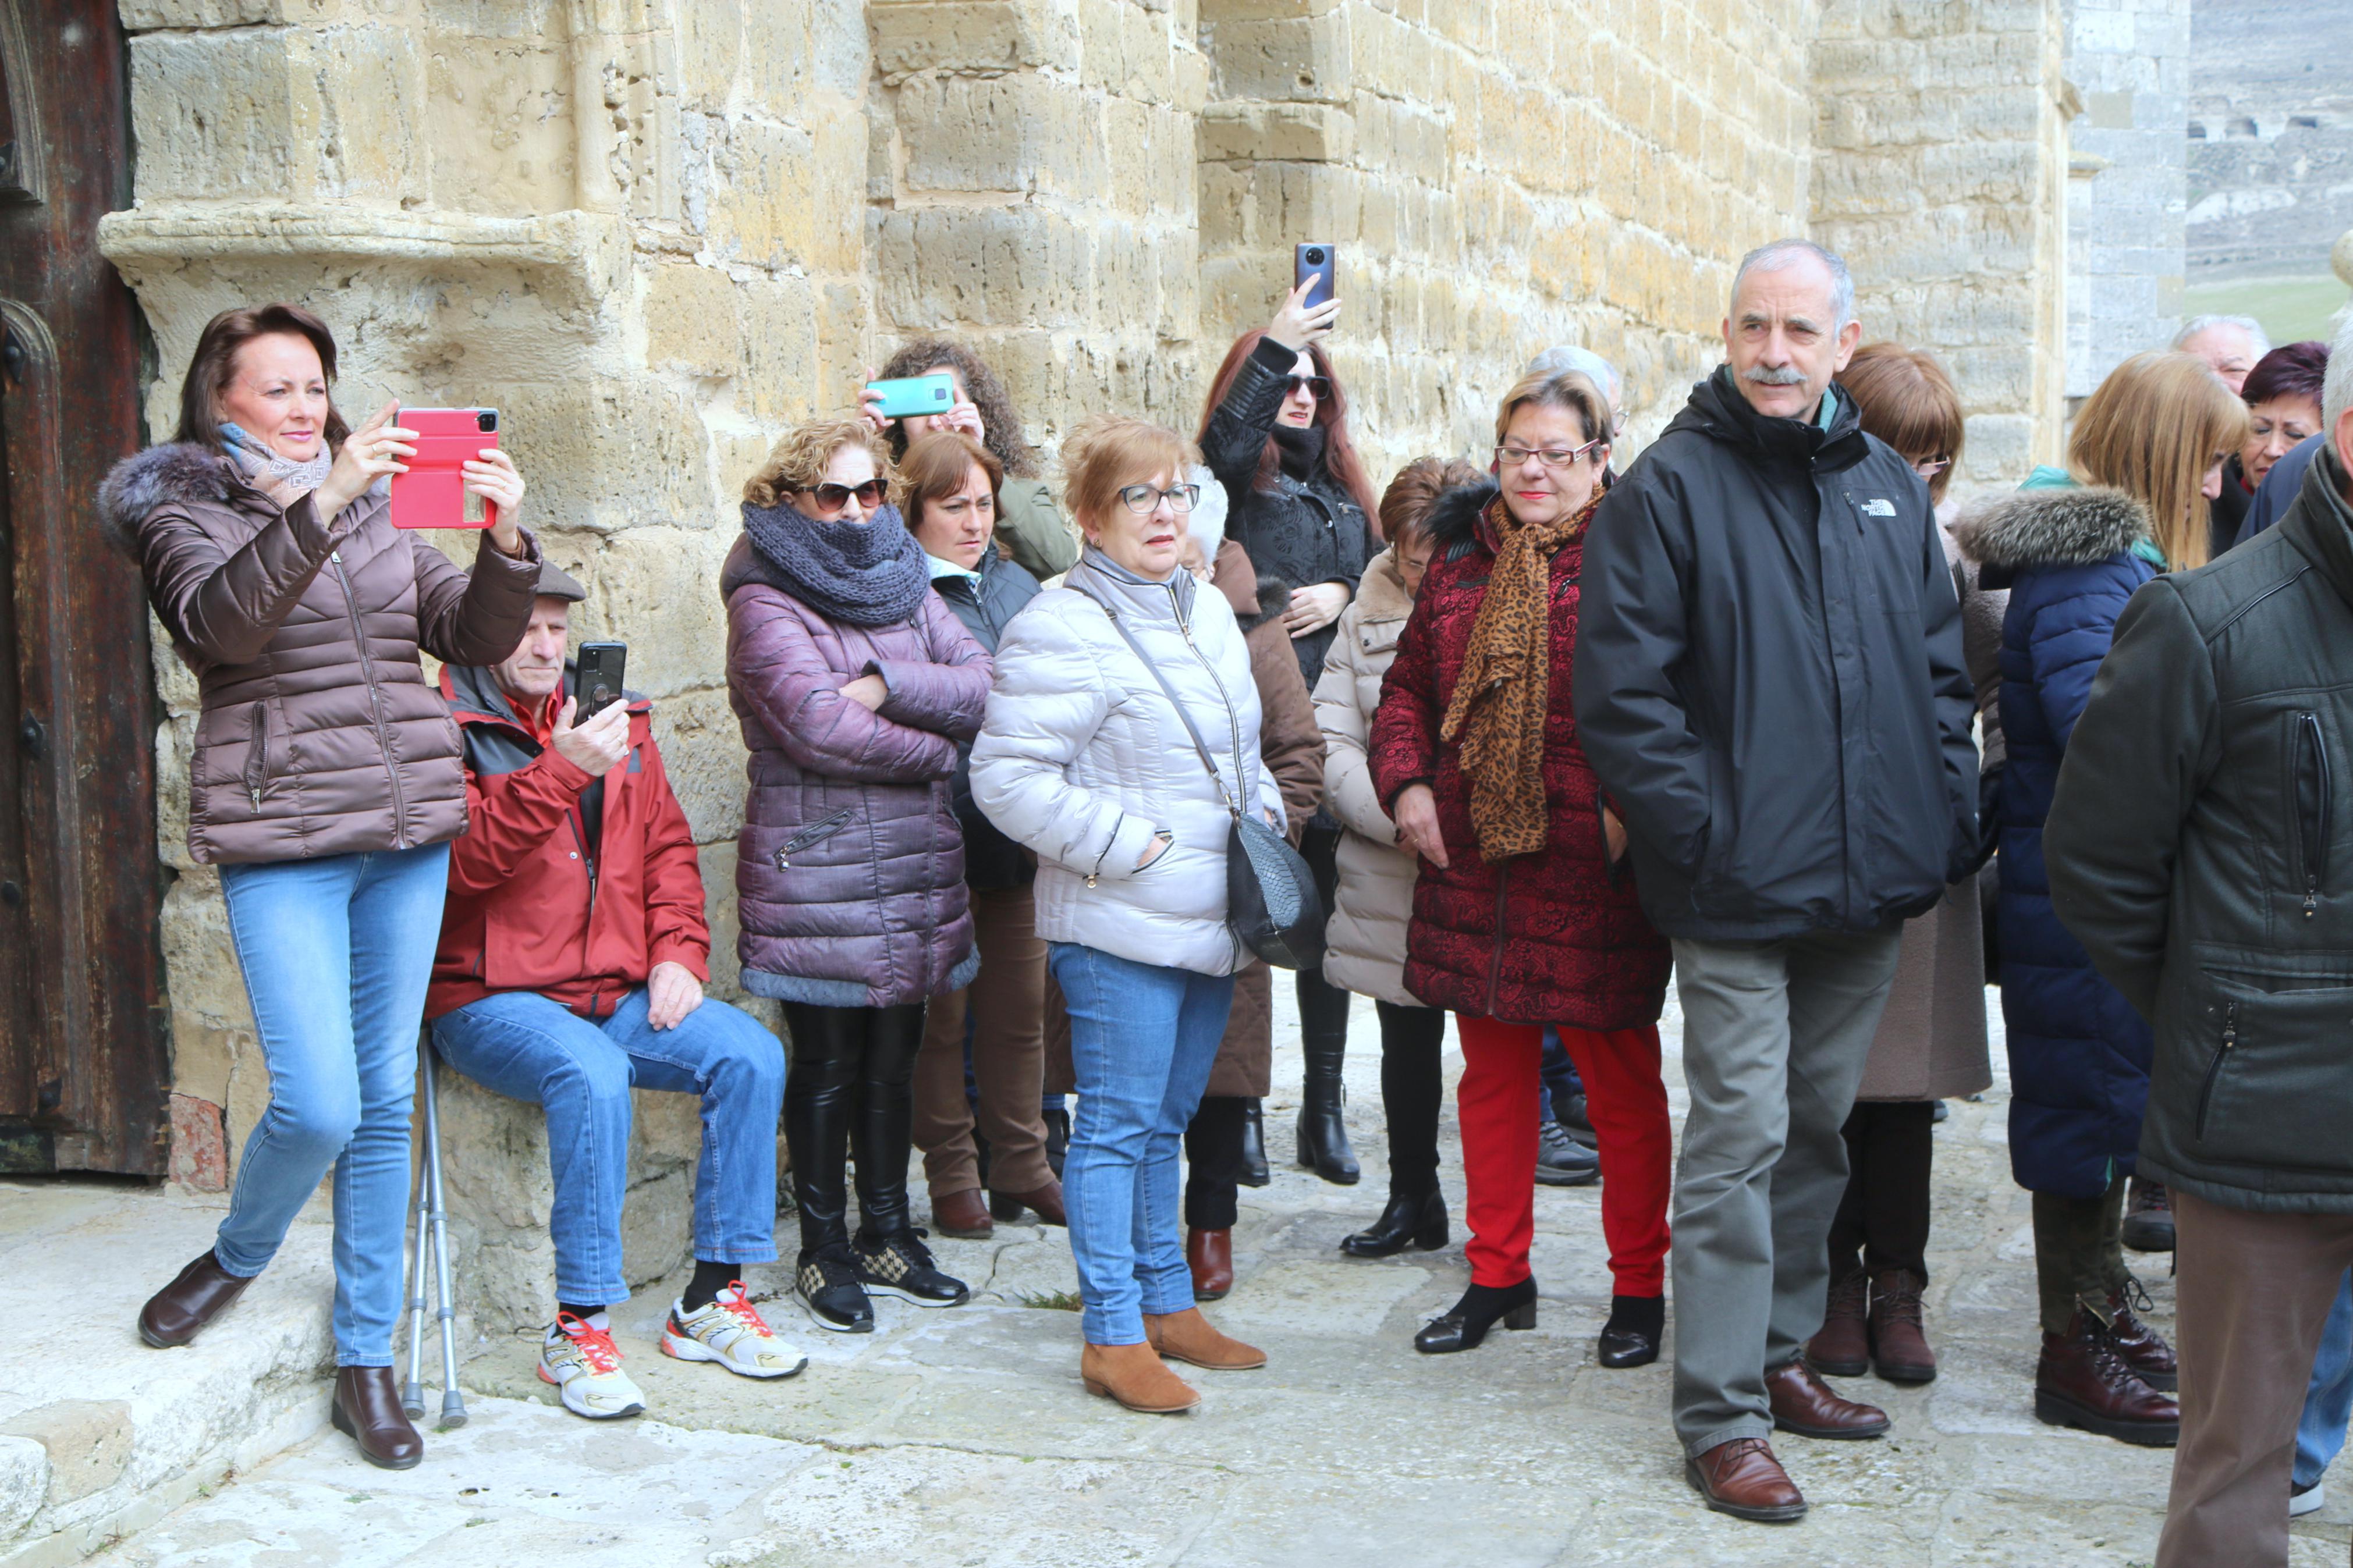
{"x":991,"y":860}
{"x":2200,"y":847}
{"x":1769,"y":679}
{"x":1302,"y":530}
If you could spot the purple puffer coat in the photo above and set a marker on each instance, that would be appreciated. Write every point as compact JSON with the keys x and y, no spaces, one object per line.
{"x":849,"y":871}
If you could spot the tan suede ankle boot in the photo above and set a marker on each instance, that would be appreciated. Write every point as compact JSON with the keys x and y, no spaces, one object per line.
{"x":1187,"y":1336}
{"x":1137,"y":1378}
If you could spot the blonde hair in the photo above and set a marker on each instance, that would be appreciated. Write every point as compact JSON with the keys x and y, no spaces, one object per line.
{"x":1570,"y":389}
{"x":1108,"y":452}
{"x":2151,"y":430}
{"x":798,"y":460}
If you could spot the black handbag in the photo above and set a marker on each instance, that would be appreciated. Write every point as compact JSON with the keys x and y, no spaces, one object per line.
{"x":1270,"y":898}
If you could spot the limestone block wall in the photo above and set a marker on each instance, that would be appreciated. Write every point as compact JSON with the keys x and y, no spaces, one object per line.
{"x":1939,"y":164}
{"x":2128,"y":60}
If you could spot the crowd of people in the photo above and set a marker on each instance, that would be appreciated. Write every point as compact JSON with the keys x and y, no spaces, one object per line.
{"x":1761,"y":711}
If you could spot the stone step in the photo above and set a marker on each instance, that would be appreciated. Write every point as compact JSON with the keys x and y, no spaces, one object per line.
{"x":101,"y":1436}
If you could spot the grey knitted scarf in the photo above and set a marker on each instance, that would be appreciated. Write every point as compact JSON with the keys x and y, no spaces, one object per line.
{"x":868,"y":573}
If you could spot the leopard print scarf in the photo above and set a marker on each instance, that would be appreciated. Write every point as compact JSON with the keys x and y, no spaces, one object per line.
{"x":1499,"y":703}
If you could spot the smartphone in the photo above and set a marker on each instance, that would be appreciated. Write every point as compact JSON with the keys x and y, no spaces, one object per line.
{"x":601,"y":666}
{"x":915,"y":394}
{"x":1319,"y":259}
{"x":433,"y":493}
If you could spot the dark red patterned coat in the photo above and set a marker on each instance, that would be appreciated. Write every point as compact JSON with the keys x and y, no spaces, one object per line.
{"x":1550,"y":938}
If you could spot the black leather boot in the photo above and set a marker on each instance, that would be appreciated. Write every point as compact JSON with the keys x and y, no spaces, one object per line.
{"x":1415,"y":1219}
{"x":1481,"y":1307}
{"x":1631,"y":1336}
{"x":1323,"y":1134}
{"x":1058,"y":1138}
{"x":1254,"y":1172}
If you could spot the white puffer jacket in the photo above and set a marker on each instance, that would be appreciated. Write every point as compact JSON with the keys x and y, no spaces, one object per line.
{"x":1365,"y":940}
{"x":1082,"y":758}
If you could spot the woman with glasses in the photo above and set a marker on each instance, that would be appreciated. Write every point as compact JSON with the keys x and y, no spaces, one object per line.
{"x":1276,"y":437}
{"x":1088,"y":757}
{"x":854,"y":682}
{"x":1521,"y":918}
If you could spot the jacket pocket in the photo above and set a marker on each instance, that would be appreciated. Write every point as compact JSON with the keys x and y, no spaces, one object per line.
{"x":2273,"y":1092}
{"x":256,"y":755}
{"x":2312,"y":790}
{"x":815,"y":833}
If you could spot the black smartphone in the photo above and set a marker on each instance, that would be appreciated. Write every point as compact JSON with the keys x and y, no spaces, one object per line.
{"x":1319,"y":259}
{"x":601,"y":666}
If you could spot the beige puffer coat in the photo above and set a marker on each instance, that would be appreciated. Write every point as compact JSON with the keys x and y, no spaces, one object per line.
{"x":318,"y":735}
{"x":1365,"y":940}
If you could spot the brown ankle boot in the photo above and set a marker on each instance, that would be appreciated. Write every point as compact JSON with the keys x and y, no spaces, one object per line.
{"x":2143,"y":1348}
{"x":2081,"y":1380}
{"x":367,"y":1408}
{"x":1899,"y":1340}
{"x":1843,"y":1348}
{"x":1135,"y":1377}
{"x":1210,"y":1255}
{"x":201,"y":1293}
{"x":1187,"y":1336}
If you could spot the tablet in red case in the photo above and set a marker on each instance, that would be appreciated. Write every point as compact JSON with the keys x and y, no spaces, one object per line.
{"x":433,"y":494}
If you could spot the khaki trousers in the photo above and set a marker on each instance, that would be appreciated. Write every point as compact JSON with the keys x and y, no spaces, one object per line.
{"x":1008,"y":999}
{"x":2251,"y":1292}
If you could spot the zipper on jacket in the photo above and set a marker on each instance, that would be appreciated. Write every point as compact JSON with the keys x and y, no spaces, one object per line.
{"x":1495,"y":959}
{"x":2214,"y":1071}
{"x":375,"y":706}
{"x":816,"y":832}
{"x":2311,"y":802}
{"x":587,"y":855}
{"x":256,"y":755}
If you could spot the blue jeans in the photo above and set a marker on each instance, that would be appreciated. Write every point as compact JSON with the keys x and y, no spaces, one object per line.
{"x":1143,"y":1039}
{"x":521,"y":1044}
{"x":2328,"y":1402}
{"x":336,"y":953}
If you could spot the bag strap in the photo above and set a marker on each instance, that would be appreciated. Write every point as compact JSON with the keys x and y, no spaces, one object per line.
{"x":1199,"y":745}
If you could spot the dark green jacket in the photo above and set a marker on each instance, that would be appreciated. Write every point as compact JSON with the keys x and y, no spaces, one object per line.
{"x":2200,"y":847}
{"x":1042,"y":544}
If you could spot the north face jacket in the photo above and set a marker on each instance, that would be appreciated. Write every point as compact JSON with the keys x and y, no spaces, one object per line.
{"x":1769,"y":678}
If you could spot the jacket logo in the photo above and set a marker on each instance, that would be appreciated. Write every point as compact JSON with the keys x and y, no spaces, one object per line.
{"x":1878,"y":506}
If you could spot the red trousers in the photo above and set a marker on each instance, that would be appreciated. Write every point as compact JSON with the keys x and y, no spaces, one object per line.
{"x":1626,"y":1101}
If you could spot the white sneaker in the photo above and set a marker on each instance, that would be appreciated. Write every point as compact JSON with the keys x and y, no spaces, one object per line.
{"x":732,"y":1332}
{"x":585,"y":1365}
{"x":2307,"y":1499}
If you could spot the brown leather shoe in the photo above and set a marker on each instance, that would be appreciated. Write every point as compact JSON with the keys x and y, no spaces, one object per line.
{"x":1135,"y":1377}
{"x":1210,"y":1254}
{"x":2143,"y":1348}
{"x":1187,"y":1336}
{"x":1046,"y":1202}
{"x":203,"y":1292}
{"x":2082,"y":1381}
{"x":1899,"y":1337}
{"x":1802,"y":1403}
{"x":1843,"y":1348}
{"x":1743,"y":1479}
{"x":961,"y":1214}
{"x":367,"y":1410}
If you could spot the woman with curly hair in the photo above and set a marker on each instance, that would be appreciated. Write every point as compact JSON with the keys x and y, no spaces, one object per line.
{"x":1028,"y":520}
{"x":854,"y":683}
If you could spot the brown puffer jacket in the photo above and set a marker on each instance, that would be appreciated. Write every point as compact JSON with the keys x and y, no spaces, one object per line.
{"x":317,"y":733}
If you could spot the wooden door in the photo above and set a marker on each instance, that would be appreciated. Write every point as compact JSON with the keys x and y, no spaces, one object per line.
{"x":84,"y":1039}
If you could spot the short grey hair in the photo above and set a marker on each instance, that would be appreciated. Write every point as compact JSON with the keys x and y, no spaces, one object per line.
{"x":2247,"y":325}
{"x":1564,"y":357}
{"x":2337,"y":387}
{"x":1782,"y":254}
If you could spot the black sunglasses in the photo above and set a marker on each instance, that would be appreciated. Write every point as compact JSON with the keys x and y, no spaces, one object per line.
{"x":831,"y":496}
{"x":1318,"y":386}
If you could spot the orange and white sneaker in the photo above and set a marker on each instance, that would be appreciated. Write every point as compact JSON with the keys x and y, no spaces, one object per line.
{"x":584,"y":1364}
{"x":730,"y":1332}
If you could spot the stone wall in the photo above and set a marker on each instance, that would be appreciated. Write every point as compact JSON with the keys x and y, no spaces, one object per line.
{"x":654,"y":232}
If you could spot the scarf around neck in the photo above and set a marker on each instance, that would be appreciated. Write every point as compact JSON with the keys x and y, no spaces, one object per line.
{"x":870,"y":574}
{"x":1299,"y":448}
{"x":282,"y":480}
{"x":1501,"y":698}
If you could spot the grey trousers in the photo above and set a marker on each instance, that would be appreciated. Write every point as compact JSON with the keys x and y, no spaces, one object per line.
{"x":1775,"y":1037}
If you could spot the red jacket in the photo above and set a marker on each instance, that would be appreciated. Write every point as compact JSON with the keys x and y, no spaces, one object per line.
{"x":561,"y":884}
{"x":1548,"y":938}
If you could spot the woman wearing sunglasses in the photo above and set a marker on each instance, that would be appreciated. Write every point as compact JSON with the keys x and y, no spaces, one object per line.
{"x":1088,"y":757}
{"x":1520,"y":916}
{"x":1276,"y":437}
{"x":853,"y":682}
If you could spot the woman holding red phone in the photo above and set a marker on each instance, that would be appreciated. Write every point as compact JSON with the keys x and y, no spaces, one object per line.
{"x":325,"y":787}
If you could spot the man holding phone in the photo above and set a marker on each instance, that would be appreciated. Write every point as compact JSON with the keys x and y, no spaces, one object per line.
{"x":573,"y":956}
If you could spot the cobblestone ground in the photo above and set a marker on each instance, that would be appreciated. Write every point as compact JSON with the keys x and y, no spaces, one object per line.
{"x":963,"y":1437}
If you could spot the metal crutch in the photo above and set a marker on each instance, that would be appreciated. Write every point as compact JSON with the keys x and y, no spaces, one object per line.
{"x":433,"y":1241}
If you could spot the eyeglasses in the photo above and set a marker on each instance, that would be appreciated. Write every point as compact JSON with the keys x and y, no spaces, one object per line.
{"x":831,"y":496}
{"x":1551,"y":457}
{"x":1930,"y":467}
{"x":1319,"y":387}
{"x":1145,"y":499}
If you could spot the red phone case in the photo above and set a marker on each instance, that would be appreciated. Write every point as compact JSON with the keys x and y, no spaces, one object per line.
{"x":432,"y":494}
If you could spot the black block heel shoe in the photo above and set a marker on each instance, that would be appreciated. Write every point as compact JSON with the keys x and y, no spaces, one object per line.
{"x":1482,"y":1306}
{"x":1419,"y":1221}
{"x":1631,"y":1337}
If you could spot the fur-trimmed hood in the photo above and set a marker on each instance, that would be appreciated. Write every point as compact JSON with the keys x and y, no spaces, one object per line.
{"x":174,"y":471}
{"x":1454,"y":517}
{"x":2055,"y":527}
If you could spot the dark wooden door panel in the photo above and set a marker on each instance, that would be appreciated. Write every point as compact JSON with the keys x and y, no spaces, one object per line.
{"x":84,"y":1057}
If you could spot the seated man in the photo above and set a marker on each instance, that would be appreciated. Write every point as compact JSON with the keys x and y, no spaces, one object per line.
{"x":572,"y":954}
